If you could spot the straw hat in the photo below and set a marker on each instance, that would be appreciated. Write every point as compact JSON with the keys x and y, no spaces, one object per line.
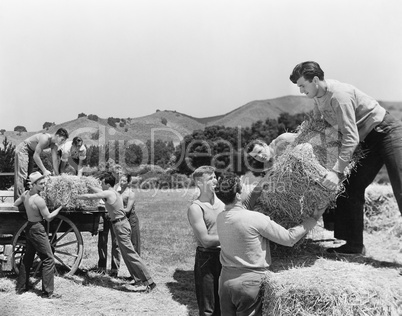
{"x":35,"y":176}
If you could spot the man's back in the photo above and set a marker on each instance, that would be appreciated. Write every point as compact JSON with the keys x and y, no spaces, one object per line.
{"x":242,"y":243}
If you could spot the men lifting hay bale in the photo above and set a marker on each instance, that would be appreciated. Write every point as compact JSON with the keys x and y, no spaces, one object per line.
{"x":292,"y":186}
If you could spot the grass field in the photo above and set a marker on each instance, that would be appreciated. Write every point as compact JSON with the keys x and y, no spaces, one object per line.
{"x":168,"y":249}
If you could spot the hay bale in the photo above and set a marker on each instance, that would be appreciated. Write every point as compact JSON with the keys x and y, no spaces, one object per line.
{"x":64,"y":190}
{"x":333,"y":288}
{"x":381,"y":212}
{"x":292,"y":187}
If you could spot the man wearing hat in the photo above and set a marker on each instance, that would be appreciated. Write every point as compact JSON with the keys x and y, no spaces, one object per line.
{"x":37,"y":240}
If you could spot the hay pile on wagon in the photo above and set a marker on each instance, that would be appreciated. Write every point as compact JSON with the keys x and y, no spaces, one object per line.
{"x":292,"y":187}
{"x":64,"y":189}
{"x":333,"y":288}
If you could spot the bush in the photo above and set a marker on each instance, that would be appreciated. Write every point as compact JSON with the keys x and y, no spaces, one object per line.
{"x":95,"y":135}
{"x":143,"y":169}
{"x":93,"y":117}
{"x":20,"y":129}
{"x":111,"y":121}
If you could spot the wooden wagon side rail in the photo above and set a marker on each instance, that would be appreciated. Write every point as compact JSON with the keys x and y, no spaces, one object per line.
{"x":12,"y":218}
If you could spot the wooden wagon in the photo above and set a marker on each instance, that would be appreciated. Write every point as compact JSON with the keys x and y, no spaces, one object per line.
{"x":64,"y":233}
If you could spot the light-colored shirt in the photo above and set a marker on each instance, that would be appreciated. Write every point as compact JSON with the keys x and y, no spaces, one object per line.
{"x":244,"y":236}
{"x":67,"y":150}
{"x":210,"y":213}
{"x":353,"y":113}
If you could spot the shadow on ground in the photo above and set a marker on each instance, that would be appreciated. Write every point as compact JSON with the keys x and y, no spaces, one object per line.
{"x":183,"y":290}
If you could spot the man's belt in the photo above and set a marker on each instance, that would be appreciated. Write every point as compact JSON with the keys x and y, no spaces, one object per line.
{"x":118,"y":220}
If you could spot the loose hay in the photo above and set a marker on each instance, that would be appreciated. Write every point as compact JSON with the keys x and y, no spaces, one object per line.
{"x":333,"y":288}
{"x":63,"y":190}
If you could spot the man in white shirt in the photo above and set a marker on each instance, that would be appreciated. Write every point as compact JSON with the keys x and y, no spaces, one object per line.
{"x":74,"y":153}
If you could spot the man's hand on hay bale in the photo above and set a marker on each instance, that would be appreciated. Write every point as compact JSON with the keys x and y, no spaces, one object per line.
{"x":319,"y":210}
{"x":331,"y":180}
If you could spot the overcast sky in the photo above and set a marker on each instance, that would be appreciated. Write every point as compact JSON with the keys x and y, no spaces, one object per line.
{"x":128,"y":58}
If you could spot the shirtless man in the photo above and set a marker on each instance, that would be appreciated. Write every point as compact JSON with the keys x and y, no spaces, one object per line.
{"x":29,"y":152}
{"x":121,"y":227}
{"x":37,"y":240}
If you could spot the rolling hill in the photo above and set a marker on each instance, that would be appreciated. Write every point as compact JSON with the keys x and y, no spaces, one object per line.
{"x":173,"y":126}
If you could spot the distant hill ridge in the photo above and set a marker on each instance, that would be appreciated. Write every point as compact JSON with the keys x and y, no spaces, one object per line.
{"x":171,"y":125}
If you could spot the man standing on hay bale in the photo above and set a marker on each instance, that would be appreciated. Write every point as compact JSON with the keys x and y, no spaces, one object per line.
{"x":37,"y":240}
{"x":28,"y":152}
{"x":245,"y":256}
{"x":121,"y":227}
{"x":202,"y":215}
{"x":74,"y":152}
{"x":360,"y":119}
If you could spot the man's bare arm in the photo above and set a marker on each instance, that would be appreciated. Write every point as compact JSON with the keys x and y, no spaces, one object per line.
{"x":38,"y":150}
{"x":40,"y":203}
{"x":196,"y":219}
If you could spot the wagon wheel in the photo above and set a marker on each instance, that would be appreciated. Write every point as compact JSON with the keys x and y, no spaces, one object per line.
{"x":67,"y":248}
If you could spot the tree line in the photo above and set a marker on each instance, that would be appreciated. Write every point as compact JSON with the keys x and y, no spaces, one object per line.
{"x":220,"y":146}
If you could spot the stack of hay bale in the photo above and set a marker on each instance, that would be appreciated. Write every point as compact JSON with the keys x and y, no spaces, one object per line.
{"x":333,"y":288}
{"x":63,"y":190}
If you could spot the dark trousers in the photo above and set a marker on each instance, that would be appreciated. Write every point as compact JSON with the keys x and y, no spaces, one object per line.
{"x":135,"y":231}
{"x":102,"y":247}
{"x":207,"y":269}
{"x":382,"y":146}
{"x":37,"y":241}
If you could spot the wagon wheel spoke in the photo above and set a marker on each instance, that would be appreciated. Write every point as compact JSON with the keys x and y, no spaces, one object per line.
{"x":66,"y":254}
{"x":62,"y":262}
{"x":65,"y":244}
{"x":62,"y":236}
{"x":55,"y":232}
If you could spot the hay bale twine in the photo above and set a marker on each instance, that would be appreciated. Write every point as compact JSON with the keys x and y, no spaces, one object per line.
{"x":333,"y":288}
{"x":63,"y":190}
